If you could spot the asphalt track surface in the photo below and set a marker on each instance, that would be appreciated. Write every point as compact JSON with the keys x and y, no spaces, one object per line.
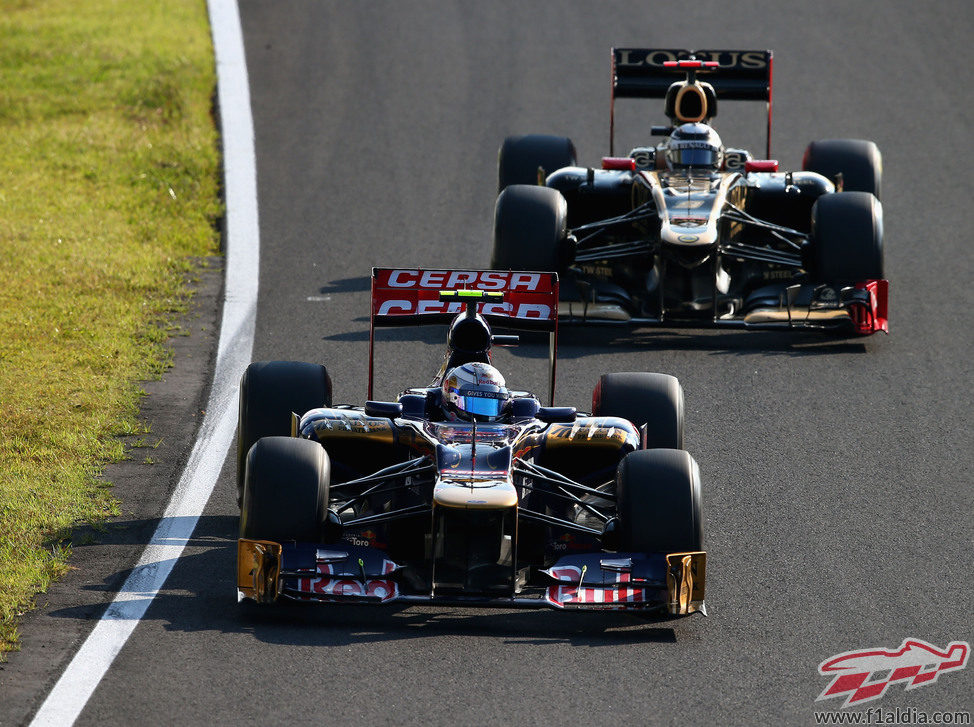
{"x":837,"y":473}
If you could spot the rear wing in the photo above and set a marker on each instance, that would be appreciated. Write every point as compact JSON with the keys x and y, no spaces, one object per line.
{"x":411,"y":297}
{"x":741,"y":75}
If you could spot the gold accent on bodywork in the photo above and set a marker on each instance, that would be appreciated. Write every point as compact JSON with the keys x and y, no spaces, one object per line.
{"x":593,"y":431}
{"x":799,"y":315}
{"x":678,"y":207}
{"x":706,"y":233}
{"x":686,"y":578}
{"x":691,"y":89}
{"x":258,"y":569}
{"x":331,"y":424}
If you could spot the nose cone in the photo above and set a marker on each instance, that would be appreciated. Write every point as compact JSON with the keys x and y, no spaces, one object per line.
{"x":689,"y":242}
{"x":482,"y":495}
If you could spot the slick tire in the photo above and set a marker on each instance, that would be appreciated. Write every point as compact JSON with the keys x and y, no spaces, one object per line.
{"x":659,"y":502}
{"x":521,"y":157}
{"x":655,"y":400}
{"x":859,"y":162}
{"x":846,"y":243}
{"x":530,"y":229}
{"x":285,"y":493}
{"x":269,"y":392}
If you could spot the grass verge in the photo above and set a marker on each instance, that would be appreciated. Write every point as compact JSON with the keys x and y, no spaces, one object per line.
{"x":109,"y":175}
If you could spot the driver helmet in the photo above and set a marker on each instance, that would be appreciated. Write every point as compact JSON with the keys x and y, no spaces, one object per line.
{"x":694,"y":146}
{"x":475,"y":392}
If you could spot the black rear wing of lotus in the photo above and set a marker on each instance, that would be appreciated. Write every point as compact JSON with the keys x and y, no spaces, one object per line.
{"x":528,"y":301}
{"x":740,"y":75}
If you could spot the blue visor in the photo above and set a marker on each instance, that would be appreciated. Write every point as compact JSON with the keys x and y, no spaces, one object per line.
{"x":697,"y":157}
{"x":479,"y":405}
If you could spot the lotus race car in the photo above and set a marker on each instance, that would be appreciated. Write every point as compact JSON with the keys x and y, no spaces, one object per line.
{"x":464,"y":491}
{"x":688,"y":232}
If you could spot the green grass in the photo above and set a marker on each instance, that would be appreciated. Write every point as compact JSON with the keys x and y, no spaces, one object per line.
{"x":109,"y":190}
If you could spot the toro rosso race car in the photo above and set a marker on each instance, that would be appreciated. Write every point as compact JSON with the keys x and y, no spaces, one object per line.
{"x":688,"y":232}
{"x":465,"y":491}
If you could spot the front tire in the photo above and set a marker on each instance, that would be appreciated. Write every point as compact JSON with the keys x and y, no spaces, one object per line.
{"x":285,"y":492}
{"x":659,"y":502}
{"x":655,"y":400}
{"x":531,"y":158}
{"x":847,"y":238}
{"x":530,"y":229}
{"x":859,"y":162}
{"x":269,"y":392}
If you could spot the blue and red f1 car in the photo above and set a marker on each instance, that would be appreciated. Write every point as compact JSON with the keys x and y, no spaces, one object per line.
{"x":465,"y":491}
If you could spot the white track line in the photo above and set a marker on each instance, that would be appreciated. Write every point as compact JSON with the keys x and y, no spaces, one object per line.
{"x":78,"y":682}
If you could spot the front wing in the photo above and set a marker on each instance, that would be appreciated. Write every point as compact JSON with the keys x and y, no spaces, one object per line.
{"x":862,"y":309}
{"x":666,"y":583}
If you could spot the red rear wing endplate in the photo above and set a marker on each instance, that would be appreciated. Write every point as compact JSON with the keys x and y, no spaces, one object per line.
{"x":411,"y":297}
{"x":742,"y":75}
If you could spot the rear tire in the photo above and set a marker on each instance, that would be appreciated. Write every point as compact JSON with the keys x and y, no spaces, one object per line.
{"x":847,"y":238}
{"x":655,"y":400}
{"x":530,"y":229}
{"x":659,"y":502}
{"x":285,"y":492}
{"x":269,"y":392}
{"x":859,"y":162}
{"x":520,"y":157}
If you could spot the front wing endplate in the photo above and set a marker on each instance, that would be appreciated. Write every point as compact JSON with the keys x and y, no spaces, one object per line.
{"x":258,"y":570}
{"x":686,"y":577}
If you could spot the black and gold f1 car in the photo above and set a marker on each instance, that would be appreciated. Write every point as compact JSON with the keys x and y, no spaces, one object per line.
{"x":688,"y":232}
{"x":502,"y":502}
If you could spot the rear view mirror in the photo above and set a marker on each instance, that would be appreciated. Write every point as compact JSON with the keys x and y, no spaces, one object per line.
{"x":557,"y":414}
{"x":385,"y":409}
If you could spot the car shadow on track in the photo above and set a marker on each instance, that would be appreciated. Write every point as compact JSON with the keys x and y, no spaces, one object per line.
{"x":432,"y":335}
{"x":200,"y":596}
{"x":577,"y":341}
{"x":346,"y":285}
{"x":340,"y":625}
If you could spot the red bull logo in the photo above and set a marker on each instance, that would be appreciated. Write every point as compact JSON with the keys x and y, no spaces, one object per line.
{"x":864,"y":675}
